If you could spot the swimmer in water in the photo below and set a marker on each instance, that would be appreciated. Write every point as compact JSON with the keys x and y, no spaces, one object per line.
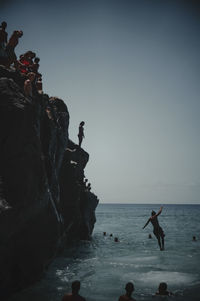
{"x":129,"y":290}
{"x":162,"y":290}
{"x":157,"y":230}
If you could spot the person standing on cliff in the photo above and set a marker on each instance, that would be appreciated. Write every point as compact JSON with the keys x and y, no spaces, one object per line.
{"x":3,"y":39}
{"x":10,"y":47}
{"x":81,"y":133}
{"x":74,"y":296}
{"x":157,"y":230}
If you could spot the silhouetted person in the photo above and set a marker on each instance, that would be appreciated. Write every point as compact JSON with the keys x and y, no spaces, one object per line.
{"x":162,"y":290}
{"x":74,"y":296}
{"x":150,"y":236}
{"x":35,"y":66}
{"x":116,"y":239}
{"x":194,"y":238}
{"x":157,"y":230}
{"x":88,"y":187}
{"x":81,"y":133}
{"x":12,"y":43}
{"x":129,"y":290}
{"x":104,"y":233}
{"x":3,"y":42}
{"x":3,"y":35}
{"x":111,"y":235}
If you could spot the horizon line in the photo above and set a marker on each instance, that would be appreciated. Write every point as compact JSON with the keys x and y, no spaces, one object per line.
{"x":132,"y":203}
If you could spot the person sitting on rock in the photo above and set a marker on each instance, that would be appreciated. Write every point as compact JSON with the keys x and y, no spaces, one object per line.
{"x":162,"y":290}
{"x":3,"y":40}
{"x":28,"y":84}
{"x":10,"y":47}
{"x":74,"y":296}
{"x":26,"y":62}
{"x":21,"y":66}
{"x":81,"y":133}
{"x":129,"y":290}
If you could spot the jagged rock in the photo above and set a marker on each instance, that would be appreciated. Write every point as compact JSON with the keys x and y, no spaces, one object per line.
{"x":43,"y":204}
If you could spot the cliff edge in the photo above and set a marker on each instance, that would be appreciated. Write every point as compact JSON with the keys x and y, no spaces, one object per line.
{"x":43,"y":202}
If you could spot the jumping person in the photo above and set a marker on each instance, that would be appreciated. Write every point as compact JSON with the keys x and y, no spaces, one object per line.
{"x":157,"y":230}
{"x":81,"y":133}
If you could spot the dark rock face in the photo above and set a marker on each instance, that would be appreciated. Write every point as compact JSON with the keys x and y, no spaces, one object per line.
{"x":43,"y":204}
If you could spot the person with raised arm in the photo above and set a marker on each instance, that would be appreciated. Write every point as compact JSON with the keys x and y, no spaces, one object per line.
{"x":157,"y":230}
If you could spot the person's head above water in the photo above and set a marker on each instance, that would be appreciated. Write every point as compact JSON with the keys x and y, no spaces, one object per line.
{"x":153,"y":213}
{"x":76,"y":287}
{"x":162,"y":287}
{"x":129,"y":288}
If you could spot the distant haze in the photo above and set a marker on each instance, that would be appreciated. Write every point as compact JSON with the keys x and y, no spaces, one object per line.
{"x":131,"y":71}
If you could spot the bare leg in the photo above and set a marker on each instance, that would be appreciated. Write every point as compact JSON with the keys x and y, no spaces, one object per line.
{"x":159,"y":243}
{"x":158,"y":238}
{"x":163,"y":243}
{"x":80,"y":141}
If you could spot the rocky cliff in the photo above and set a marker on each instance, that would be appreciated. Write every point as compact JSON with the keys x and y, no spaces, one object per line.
{"x":43,"y":202}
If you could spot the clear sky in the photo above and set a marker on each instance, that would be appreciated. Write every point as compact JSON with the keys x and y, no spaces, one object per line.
{"x":131,"y":71}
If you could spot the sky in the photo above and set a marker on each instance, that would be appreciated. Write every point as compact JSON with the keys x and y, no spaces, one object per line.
{"x":130,"y":70}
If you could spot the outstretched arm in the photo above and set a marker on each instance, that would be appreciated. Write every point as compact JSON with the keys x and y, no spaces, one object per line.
{"x":146,"y":223}
{"x":159,"y":212}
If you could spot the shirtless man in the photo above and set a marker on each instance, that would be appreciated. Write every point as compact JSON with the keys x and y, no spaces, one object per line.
{"x":74,"y":296}
{"x":157,"y":230}
{"x":129,"y":290}
{"x":12,"y":43}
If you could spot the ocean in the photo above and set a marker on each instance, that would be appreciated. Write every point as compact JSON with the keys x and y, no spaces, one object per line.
{"x":104,"y":266}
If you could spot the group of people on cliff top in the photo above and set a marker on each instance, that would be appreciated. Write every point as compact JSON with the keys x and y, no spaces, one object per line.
{"x":129,"y":288}
{"x":27,"y":64}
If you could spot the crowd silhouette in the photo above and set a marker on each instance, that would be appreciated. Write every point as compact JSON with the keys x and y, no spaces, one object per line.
{"x":27,"y":64}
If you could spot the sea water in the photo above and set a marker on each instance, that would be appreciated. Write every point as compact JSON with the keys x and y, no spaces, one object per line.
{"x":104,"y":266}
